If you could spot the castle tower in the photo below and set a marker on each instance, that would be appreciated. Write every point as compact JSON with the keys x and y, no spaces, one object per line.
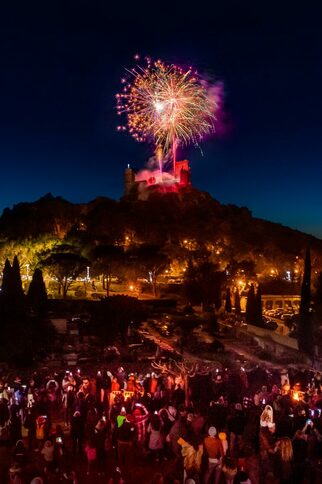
{"x":183,"y":174}
{"x":129,"y":180}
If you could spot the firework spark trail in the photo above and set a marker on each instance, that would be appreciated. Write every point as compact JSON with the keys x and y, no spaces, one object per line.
{"x":167,"y":105}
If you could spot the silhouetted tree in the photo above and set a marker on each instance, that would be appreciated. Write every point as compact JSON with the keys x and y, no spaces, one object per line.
{"x":6,"y":287}
{"x":107,"y":259}
{"x":305,"y":324}
{"x":228,"y":301}
{"x":12,"y":295}
{"x":191,"y":286}
{"x":112,"y":316}
{"x":251,"y":305}
{"x":203,"y":284}
{"x":37,"y":294}
{"x":65,"y":264}
{"x":237,"y":302}
{"x":149,"y":261}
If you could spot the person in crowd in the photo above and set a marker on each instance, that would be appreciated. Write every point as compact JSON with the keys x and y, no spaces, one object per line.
{"x":141,"y":416}
{"x":125,"y":436}
{"x":101,"y":436}
{"x":300,"y":452}
{"x":261,"y":423}
{"x":284,"y":460}
{"x":155,"y":444}
{"x":91,"y":455}
{"x":48,"y":454}
{"x":192,"y":451}
{"x":215,"y":453}
{"x":116,"y":477}
{"x":77,"y":432}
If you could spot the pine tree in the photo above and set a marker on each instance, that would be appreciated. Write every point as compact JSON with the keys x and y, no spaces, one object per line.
{"x":228,"y":301}
{"x":37,"y":294}
{"x":305,"y":325}
{"x":250,"y":305}
{"x":237,"y":302}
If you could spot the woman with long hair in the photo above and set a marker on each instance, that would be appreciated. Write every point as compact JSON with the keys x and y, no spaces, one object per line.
{"x":284,"y":458}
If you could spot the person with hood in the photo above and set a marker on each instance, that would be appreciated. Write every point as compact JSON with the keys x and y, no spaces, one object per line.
{"x":20,"y":454}
{"x":141,"y":416}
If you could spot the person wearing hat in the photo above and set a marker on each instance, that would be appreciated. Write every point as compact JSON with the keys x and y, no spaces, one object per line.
{"x":214,"y":451}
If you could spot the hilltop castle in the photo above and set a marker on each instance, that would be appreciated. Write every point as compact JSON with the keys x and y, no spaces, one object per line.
{"x":137,"y":184}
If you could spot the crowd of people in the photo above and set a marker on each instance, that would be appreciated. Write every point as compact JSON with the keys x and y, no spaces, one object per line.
{"x":227,"y":426}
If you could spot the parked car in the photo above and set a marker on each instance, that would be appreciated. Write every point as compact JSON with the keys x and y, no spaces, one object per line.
{"x":287,"y":317}
{"x":271,"y":325}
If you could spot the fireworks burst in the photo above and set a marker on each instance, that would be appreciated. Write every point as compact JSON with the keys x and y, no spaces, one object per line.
{"x":166,"y":104}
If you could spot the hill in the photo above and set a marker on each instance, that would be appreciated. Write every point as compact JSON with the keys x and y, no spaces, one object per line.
{"x":185,"y":222}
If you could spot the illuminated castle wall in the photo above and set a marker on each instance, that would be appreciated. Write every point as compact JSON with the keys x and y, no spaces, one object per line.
{"x":134,"y":183}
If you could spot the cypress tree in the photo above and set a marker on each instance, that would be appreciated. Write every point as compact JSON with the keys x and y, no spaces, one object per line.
{"x":305,"y":324}
{"x":12,"y":295}
{"x":237,"y":302}
{"x":37,"y":294}
{"x":250,"y":305}
{"x":6,"y":287}
{"x":228,"y":301}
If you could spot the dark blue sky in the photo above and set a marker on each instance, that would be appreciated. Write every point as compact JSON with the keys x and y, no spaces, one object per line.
{"x":60,"y":66}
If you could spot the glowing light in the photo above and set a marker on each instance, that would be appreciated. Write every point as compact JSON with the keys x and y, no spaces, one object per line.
{"x":159,"y":106}
{"x":166,"y":104}
{"x":296,"y":396}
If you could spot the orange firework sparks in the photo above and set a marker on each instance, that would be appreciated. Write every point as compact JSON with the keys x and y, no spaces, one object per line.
{"x":166,"y":104}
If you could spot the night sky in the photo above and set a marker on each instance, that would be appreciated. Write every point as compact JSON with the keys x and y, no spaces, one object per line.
{"x":61,"y":64}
